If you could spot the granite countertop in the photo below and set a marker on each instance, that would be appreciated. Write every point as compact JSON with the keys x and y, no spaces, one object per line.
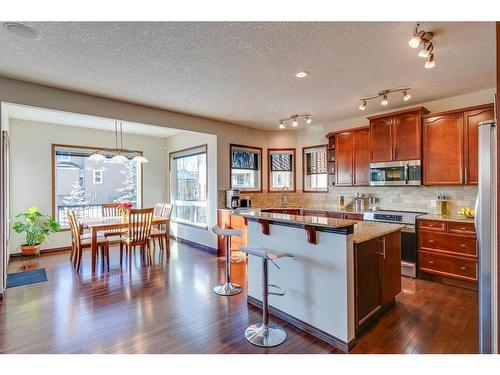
{"x":454,"y":218}
{"x":368,"y":230}
{"x":325,"y":222}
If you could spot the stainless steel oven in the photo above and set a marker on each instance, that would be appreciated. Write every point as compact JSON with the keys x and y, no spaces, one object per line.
{"x":396,"y":173}
{"x":408,"y":236}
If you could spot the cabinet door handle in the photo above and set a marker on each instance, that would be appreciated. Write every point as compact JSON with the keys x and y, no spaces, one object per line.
{"x":463,"y":245}
{"x":463,"y":268}
{"x":430,"y":225}
{"x":431,"y":262}
{"x":383,"y":248}
{"x":431,"y":241}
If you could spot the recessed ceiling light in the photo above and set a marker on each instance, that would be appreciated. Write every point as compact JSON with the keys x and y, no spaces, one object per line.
{"x":22,"y":31}
{"x":302,"y":74}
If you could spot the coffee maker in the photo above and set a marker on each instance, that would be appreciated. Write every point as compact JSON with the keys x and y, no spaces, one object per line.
{"x":232,"y":198}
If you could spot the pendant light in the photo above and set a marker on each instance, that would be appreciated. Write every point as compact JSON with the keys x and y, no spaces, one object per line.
{"x":97,"y":156}
{"x":119,"y":157}
{"x":140,"y":159}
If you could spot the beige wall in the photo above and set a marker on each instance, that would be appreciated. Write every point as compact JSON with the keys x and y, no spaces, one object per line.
{"x":31,"y":168}
{"x":19,"y":92}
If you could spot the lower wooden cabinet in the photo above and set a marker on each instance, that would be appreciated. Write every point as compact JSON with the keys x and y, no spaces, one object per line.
{"x":447,"y":252}
{"x":377,"y":277}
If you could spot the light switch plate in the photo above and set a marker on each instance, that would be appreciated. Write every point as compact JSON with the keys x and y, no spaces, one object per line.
{"x":433,"y":203}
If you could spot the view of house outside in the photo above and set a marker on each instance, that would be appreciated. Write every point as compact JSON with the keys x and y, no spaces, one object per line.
{"x":84,"y":185}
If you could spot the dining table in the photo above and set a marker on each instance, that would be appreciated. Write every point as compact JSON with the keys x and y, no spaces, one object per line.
{"x":103,"y":224}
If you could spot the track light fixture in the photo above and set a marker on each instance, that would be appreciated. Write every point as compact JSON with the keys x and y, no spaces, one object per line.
{"x":421,"y":37}
{"x":384,"y":94}
{"x":295,"y":120}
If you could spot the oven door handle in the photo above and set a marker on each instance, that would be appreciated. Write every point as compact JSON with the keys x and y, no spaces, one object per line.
{"x":406,"y":172}
{"x":408,"y":229}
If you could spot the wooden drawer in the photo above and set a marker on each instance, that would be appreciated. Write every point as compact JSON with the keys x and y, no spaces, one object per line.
{"x":433,"y":225}
{"x":460,"y":245}
{"x":462,"y":228}
{"x":465,"y":269}
{"x":358,"y":217}
{"x":335,"y":215}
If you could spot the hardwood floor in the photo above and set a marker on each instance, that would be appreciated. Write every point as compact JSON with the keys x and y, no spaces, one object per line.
{"x":170,"y":308}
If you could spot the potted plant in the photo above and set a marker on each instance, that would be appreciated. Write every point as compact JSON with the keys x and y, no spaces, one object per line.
{"x":37,"y":227}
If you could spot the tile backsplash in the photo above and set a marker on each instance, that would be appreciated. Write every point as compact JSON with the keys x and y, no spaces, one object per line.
{"x":416,"y":198}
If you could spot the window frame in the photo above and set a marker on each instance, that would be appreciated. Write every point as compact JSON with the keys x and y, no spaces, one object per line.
{"x":94,"y":175}
{"x":304,"y":169}
{"x":55,"y":146}
{"x":291,"y":151}
{"x":170,"y":159}
{"x":259,"y":149}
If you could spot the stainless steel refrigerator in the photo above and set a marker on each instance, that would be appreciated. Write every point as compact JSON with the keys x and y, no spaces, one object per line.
{"x":486,"y":229}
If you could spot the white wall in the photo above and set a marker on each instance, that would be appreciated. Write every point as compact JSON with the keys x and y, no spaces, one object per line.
{"x":181,"y":142}
{"x":31,"y":168}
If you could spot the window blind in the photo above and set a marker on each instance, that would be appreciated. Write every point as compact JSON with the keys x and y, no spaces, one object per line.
{"x":316,"y":161}
{"x":245,"y":159}
{"x":281,"y":162}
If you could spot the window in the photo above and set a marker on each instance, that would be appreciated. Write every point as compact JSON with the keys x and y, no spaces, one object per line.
{"x":188,"y":186}
{"x":314,"y":168}
{"x":79,"y":183}
{"x":281,"y":167}
{"x":246,"y":170}
{"x":97,"y":177}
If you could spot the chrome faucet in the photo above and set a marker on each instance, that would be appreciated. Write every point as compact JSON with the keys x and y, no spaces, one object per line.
{"x":284,"y":197}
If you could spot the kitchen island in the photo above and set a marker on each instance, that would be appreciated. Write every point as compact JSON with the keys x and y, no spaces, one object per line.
{"x":335,"y":281}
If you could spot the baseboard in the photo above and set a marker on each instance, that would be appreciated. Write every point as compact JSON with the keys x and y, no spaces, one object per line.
{"x":196,"y":245}
{"x":306,"y":327}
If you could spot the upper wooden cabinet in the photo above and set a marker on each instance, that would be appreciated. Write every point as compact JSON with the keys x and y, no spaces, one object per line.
{"x":352,"y":157}
{"x":396,"y":136}
{"x":472,"y":118}
{"x":450,"y":145}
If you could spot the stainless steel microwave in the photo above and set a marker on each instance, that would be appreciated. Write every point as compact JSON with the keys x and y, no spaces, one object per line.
{"x":396,"y":173}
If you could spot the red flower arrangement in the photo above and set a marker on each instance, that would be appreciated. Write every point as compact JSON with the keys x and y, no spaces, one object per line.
{"x":124,"y":208}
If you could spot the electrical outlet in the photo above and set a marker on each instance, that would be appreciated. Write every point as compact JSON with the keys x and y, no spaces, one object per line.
{"x":433,"y":203}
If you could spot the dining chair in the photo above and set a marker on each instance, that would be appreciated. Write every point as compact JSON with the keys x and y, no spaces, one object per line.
{"x":80,"y":242}
{"x":162,"y":231}
{"x":110,"y":210}
{"x":138,"y":233}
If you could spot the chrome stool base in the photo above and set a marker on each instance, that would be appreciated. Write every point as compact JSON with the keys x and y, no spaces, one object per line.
{"x":227,"y":289}
{"x":265,"y":336}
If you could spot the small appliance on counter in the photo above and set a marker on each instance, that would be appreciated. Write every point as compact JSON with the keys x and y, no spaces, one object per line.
{"x":232,"y":198}
{"x":245,"y":202}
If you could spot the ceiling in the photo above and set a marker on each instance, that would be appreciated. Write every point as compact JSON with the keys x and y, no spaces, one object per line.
{"x":244,"y":72}
{"x":49,"y":116}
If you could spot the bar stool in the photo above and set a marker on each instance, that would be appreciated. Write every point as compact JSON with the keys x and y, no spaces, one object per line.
{"x":228,"y":288}
{"x":266,"y":334}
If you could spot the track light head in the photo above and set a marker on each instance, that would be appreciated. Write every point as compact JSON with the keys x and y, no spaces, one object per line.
{"x":406,"y":96}
{"x":308,"y":119}
{"x":415,"y":41}
{"x":295,"y":123}
{"x":430,"y":61}
{"x":282,"y":125}
{"x":384,"y":100}
{"x":428,"y":47}
{"x":362,"y":106}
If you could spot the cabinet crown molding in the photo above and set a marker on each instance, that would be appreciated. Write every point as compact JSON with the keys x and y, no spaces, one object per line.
{"x":409,"y":110}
